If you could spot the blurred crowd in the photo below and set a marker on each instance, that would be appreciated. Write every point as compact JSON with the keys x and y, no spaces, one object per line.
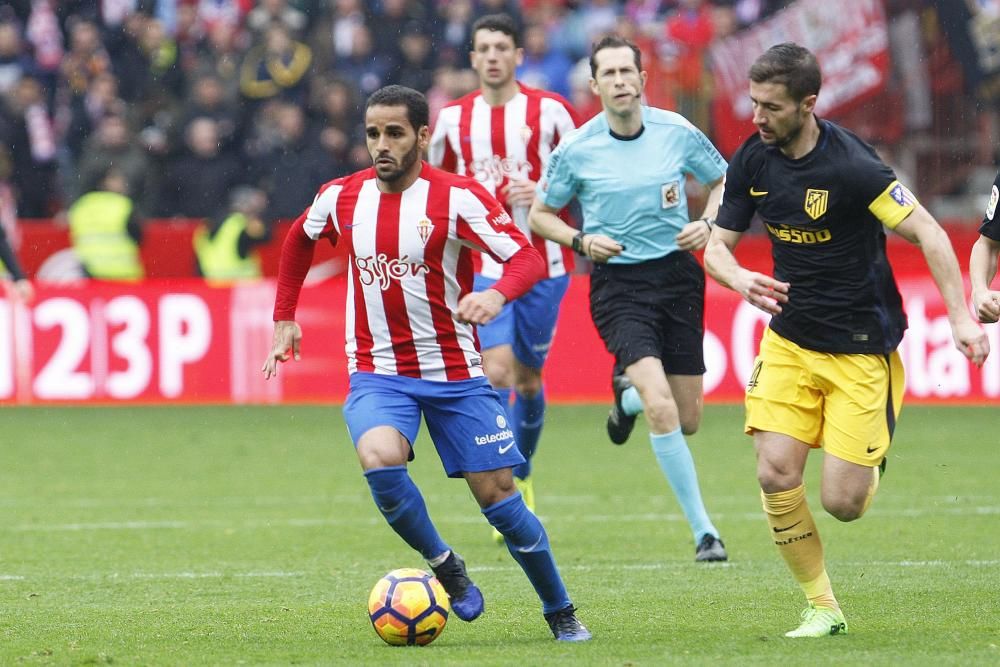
{"x":187,"y":100}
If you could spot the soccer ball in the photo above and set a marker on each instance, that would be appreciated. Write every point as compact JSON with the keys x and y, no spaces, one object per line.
{"x":408,"y":606}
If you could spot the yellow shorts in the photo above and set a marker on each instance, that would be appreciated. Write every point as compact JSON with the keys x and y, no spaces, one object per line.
{"x":846,"y":403}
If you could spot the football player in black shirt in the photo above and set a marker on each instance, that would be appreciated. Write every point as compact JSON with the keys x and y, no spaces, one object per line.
{"x":983,"y":261}
{"x":828,"y":374}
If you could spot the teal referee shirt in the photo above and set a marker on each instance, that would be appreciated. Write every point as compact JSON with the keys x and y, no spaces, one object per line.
{"x":632,"y":188}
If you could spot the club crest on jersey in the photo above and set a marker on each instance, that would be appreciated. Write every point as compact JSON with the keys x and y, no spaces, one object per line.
{"x":991,"y":209}
{"x":526,"y":133}
{"x":670,"y":194}
{"x":902,"y":195}
{"x":499,"y":218}
{"x":816,"y":201}
{"x":425,"y":228}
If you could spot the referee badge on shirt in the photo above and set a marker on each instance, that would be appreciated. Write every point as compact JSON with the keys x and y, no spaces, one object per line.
{"x":991,"y":209}
{"x":670,"y":194}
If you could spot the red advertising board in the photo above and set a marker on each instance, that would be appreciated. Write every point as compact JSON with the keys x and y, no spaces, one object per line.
{"x":181,"y":341}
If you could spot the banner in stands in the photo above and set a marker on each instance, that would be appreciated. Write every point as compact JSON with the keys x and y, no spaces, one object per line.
{"x":850,"y":40}
{"x":184,"y":342}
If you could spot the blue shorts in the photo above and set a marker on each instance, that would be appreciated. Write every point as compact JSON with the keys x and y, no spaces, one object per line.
{"x":465,"y":419}
{"x":526,"y":324}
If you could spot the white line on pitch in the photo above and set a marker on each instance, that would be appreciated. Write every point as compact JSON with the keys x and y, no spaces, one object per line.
{"x":601,"y":567}
{"x":471,"y":518}
{"x":685,"y":564}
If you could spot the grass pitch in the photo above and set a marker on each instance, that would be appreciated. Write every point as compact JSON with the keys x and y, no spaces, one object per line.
{"x":203,"y":536}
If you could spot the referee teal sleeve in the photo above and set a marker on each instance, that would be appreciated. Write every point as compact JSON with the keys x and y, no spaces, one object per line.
{"x":296,"y":258}
{"x":524,"y":268}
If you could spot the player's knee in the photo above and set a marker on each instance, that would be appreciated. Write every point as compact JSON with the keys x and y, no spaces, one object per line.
{"x":374,"y":454}
{"x":499,"y":375}
{"x":372,"y":459}
{"x":529,"y":386}
{"x":690,"y":423}
{"x":844,"y":508}
{"x":491,"y":489}
{"x":777,"y":478}
{"x":661,"y":413}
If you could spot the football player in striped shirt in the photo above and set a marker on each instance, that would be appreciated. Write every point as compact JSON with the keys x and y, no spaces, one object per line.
{"x":502,"y":135}
{"x":828,"y":373}
{"x":410,"y":231}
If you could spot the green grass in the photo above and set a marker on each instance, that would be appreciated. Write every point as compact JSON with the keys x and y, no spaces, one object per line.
{"x":190,"y":536}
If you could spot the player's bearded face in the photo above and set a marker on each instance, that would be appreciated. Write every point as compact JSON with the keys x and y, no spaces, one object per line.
{"x":395,"y":147}
{"x":778,"y":117}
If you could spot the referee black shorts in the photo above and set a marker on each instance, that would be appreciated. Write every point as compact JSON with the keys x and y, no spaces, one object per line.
{"x":652,"y":309}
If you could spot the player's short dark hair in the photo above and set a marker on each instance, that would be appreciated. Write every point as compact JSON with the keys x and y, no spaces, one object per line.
{"x":417,"y":111}
{"x":792,"y":65}
{"x":613,"y":42}
{"x":497,"y":23}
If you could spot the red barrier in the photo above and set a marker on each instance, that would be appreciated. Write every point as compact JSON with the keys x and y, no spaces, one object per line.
{"x":166,"y":249}
{"x":180,"y":341}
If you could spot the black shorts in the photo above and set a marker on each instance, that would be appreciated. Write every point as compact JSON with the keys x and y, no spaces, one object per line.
{"x":652,"y":309}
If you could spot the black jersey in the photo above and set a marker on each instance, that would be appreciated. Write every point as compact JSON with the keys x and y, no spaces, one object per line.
{"x":824,"y":213}
{"x":991,"y":221}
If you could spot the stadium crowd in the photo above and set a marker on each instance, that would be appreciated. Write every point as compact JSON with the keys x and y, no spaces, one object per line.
{"x":191,"y":98}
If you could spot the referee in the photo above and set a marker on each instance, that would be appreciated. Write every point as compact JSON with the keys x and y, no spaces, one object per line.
{"x":627,"y":167}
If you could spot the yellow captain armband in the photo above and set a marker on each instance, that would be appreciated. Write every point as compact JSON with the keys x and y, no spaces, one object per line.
{"x":893,"y":205}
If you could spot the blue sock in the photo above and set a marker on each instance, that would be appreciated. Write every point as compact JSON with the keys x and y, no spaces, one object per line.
{"x":529,"y":545}
{"x":675,"y":460}
{"x":400,"y":502}
{"x":504,"y":393}
{"x":528,"y":415}
{"x":631,"y":403}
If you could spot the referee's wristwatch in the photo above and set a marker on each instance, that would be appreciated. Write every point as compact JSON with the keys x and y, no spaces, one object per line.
{"x":710,"y":222}
{"x":578,"y":243}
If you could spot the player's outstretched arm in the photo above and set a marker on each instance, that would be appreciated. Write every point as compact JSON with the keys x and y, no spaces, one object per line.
{"x":920,"y":228}
{"x":982,"y":271}
{"x":758,"y":289}
{"x":287,"y":337}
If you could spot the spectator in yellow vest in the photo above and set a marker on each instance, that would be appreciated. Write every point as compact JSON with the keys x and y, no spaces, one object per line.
{"x":226,"y":247}
{"x":105,"y":230}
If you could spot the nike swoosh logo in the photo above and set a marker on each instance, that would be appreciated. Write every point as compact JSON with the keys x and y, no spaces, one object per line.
{"x":873,"y":449}
{"x":503,"y":449}
{"x":781,"y":530}
{"x":757,"y":193}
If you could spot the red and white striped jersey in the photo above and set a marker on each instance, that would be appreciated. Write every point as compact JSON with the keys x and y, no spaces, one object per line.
{"x":410,"y":262}
{"x":496,"y":144}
